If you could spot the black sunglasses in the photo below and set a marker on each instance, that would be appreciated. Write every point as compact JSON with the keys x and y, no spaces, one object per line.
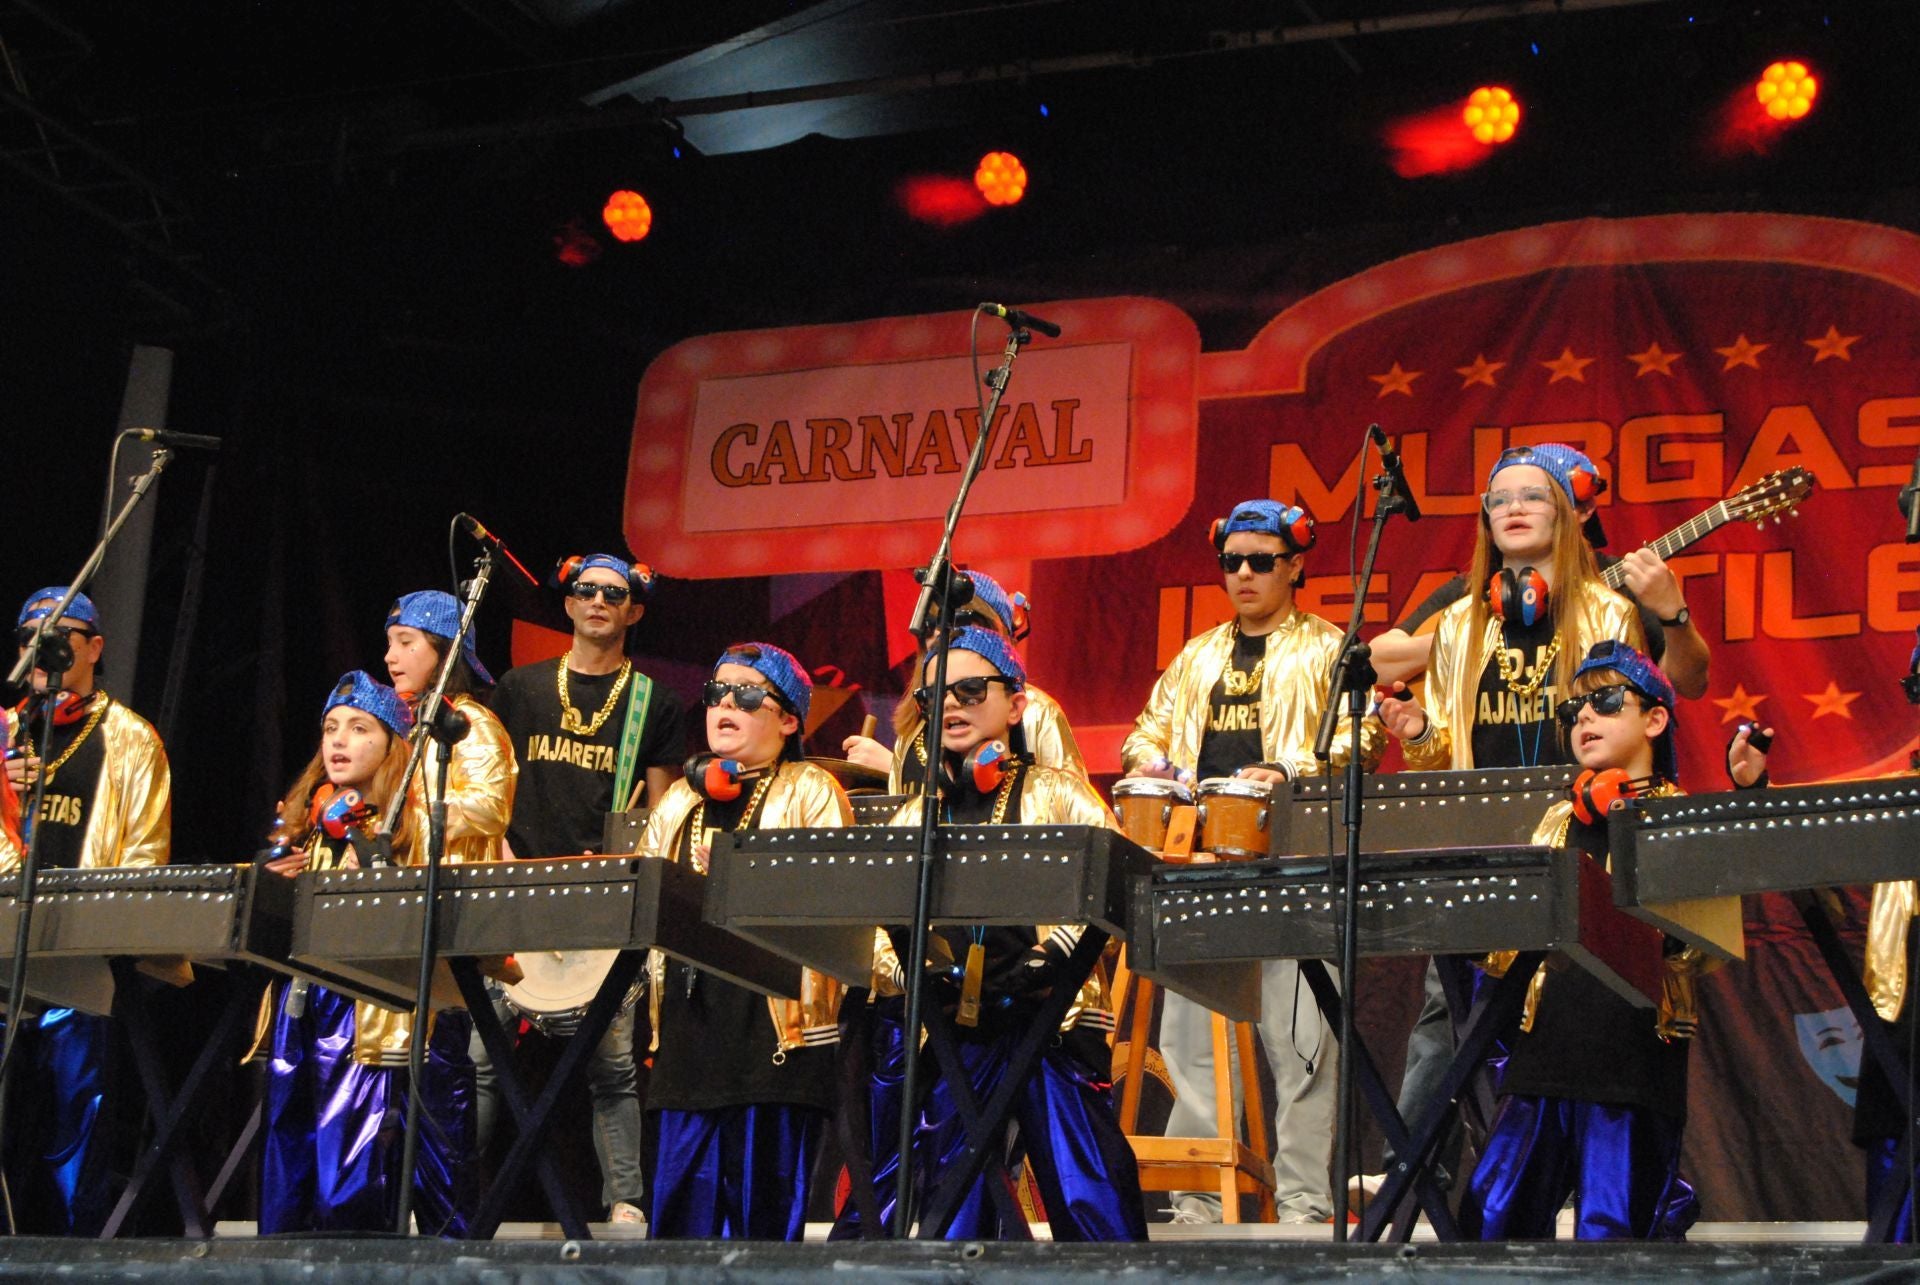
{"x":615,"y":594}
{"x":24,"y":634}
{"x":1911,"y":686}
{"x":1262,"y":563}
{"x":747,"y":697}
{"x":968,"y":691}
{"x":1606,"y":701}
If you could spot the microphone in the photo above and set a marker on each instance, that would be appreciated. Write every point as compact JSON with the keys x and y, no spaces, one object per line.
{"x":1390,"y":461}
{"x":478,"y":530}
{"x":1018,"y":319}
{"x":175,"y":441}
{"x":1908,"y":509}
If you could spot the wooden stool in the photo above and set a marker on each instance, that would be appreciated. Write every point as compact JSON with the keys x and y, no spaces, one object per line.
{"x":1222,"y":1162}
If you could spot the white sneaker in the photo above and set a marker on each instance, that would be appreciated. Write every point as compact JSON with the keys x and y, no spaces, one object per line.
{"x":1188,"y":1218}
{"x":627,"y":1218}
{"x":1364,"y":1186}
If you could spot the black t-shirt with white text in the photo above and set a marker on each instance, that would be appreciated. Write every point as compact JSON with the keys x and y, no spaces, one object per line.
{"x":565,"y":788}
{"x":1509,"y":730}
{"x":70,"y":790}
{"x":1231,"y":739}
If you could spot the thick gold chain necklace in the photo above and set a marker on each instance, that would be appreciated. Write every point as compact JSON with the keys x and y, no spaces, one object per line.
{"x":1513,"y":673}
{"x":1002,"y":799}
{"x":1235,"y":683}
{"x":699,"y":823}
{"x":93,"y":721}
{"x":570,"y":720}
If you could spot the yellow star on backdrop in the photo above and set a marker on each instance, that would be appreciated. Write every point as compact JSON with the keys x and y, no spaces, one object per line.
{"x":1568,"y":366}
{"x":1481,"y":372}
{"x":1397,"y":380}
{"x":1653,"y":361}
{"x":1742,"y":353}
{"x":1832,"y":344}
{"x":1832,"y":701}
{"x":1741,"y":705}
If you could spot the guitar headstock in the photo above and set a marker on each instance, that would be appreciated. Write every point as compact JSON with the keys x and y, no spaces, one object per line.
{"x":1772,"y":496}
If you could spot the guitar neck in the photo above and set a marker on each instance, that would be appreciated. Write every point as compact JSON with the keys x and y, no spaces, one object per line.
{"x":1692,"y":531}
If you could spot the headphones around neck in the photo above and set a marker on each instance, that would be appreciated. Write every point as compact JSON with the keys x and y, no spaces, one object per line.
{"x":1595,"y":793}
{"x":984,"y":768}
{"x":1518,"y":597}
{"x":716,"y":779}
{"x":336,"y":811}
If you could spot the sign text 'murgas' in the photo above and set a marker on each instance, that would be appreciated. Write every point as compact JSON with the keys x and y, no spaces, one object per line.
{"x":903,"y":444}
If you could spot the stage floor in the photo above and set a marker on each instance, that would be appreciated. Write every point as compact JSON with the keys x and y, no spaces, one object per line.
{"x":1760,"y":1254}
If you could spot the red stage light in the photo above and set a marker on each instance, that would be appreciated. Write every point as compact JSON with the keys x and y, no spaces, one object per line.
{"x":941,"y":200}
{"x":628,"y":216}
{"x":1001,"y":178}
{"x":1491,"y":114}
{"x":1787,"y":90}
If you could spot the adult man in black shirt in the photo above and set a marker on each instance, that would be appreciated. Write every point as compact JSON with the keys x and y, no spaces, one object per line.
{"x":591,"y":733}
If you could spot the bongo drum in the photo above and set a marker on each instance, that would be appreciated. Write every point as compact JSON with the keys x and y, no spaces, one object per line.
{"x":1145,"y":805}
{"x":1233,"y":818}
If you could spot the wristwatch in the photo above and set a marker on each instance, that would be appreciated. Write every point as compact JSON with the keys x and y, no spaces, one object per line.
{"x":1680,"y":621}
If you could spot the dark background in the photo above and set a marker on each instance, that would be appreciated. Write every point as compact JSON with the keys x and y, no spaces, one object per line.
{"x":360,"y":206}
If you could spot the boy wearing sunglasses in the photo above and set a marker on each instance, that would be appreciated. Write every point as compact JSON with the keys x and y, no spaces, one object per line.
{"x":591,"y":733}
{"x":742,"y":1085}
{"x":1049,"y":738}
{"x":108,"y":802}
{"x":1088,"y":1178}
{"x":1245,"y":699}
{"x":1594,"y":1096}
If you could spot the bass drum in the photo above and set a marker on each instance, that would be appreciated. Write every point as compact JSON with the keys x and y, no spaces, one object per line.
{"x":558,"y":985}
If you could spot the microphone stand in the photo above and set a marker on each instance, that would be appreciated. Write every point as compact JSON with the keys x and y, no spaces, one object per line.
{"x":53,"y":655}
{"x":936,"y":588}
{"x":439,"y":722}
{"x":1353,"y":674}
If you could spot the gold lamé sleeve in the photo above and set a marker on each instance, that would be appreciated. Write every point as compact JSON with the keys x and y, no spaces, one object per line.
{"x":1152,"y":734}
{"x":133,"y":820}
{"x":1433,"y":750}
{"x":480,"y":786}
{"x":1885,"y":974}
{"x":1050,"y":737}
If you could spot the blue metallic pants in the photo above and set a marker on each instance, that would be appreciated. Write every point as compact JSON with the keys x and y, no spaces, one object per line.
{"x":56,"y":1162}
{"x":332,"y":1153}
{"x":1880,"y":1157}
{"x":1088,"y":1178}
{"x":739,"y":1173}
{"x":1620,"y":1164}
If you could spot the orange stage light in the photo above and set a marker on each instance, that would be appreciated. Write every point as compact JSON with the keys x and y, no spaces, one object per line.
{"x":1001,"y":178}
{"x":628,"y":216}
{"x":1491,"y":114}
{"x":1787,"y":90}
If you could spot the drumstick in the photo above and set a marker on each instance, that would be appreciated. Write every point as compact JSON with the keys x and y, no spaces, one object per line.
{"x":868,"y":725}
{"x":639,"y":788}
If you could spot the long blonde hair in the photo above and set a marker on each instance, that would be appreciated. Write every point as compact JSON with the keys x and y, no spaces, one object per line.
{"x":385,"y":783}
{"x":1572,"y":570}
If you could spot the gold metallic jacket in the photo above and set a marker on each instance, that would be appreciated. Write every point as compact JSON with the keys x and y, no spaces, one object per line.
{"x":801,"y":795}
{"x":1050,"y":743}
{"x":130,"y":821}
{"x":1453,"y":672}
{"x":1299,"y":663}
{"x":1679,"y":1011}
{"x":1894,"y":906}
{"x":480,"y":784}
{"x":1048,"y":796}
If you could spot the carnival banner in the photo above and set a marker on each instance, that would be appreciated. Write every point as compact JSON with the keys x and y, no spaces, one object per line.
{"x":1695,"y":357}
